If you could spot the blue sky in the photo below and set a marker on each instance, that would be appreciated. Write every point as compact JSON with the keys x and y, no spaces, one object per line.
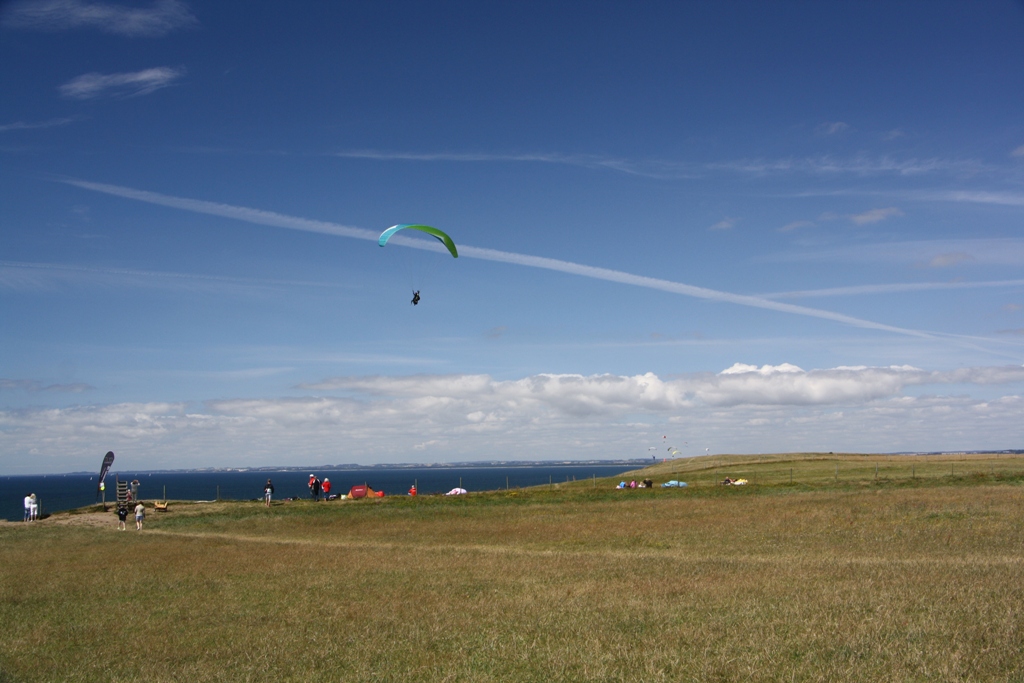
{"x":722,"y":227}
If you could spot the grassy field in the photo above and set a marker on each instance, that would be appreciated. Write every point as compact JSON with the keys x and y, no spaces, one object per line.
{"x":917,"y":574}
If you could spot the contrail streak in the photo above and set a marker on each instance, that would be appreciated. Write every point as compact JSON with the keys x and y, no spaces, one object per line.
{"x":891,"y":288}
{"x":676,"y":288}
{"x":291,"y":222}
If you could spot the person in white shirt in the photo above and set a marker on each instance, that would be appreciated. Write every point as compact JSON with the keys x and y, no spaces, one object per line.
{"x":28,"y":507}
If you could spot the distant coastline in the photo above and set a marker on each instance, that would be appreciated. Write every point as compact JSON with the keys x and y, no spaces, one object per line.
{"x":467,"y":464}
{"x":381,"y":466}
{"x":73,"y":490}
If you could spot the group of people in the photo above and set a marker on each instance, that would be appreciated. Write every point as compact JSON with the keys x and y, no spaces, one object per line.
{"x":645,"y":484}
{"x":31,"y":507}
{"x":122,"y":516}
{"x":321,"y":490}
{"x":317,"y":487}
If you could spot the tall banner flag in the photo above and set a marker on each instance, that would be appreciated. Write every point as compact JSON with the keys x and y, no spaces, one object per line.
{"x":108,"y":460}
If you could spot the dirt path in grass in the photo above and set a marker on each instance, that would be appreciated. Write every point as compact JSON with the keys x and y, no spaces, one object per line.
{"x":98,"y":519}
{"x":678,"y":554}
{"x":90,"y":519}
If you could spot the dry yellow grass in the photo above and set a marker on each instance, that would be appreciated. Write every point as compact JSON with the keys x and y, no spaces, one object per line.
{"x":712,"y":584}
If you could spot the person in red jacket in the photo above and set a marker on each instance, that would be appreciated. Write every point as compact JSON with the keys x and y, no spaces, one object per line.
{"x":326,"y":488}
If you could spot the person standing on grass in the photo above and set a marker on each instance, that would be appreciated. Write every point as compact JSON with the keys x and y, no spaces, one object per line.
{"x":326,"y":488}
{"x":33,"y":510}
{"x":268,"y":491}
{"x":140,"y":514}
{"x":28,"y":507}
{"x":316,"y":488}
{"x":122,"y":517}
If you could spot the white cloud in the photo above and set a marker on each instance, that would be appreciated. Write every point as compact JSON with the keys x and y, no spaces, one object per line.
{"x":740,"y":384}
{"x":22,"y":125}
{"x":763,"y":371}
{"x":875,"y":215}
{"x":724,"y":224}
{"x":123,"y":421}
{"x":744,"y":408}
{"x":664,"y":170}
{"x":789,"y":385}
{"x":890,"y":288}
{"x":1019,"y":152}
{"x":872,"y":216}
{"x":55,"y":276}
{"x":1007,"y":251}
{"x":796,"y":225}
{"x":950,"y":259}
{"x":970,"y":197}
{"x":90,"y":85}
{"x":32,"y":386}
{"x":161,"y":18}
{"x":861,"y":165}
{"x":831,"y":128}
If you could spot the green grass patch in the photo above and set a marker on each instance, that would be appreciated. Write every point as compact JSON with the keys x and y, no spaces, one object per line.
{"x":895,"y":579}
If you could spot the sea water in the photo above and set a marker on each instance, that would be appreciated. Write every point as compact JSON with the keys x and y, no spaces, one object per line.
{"x":57,"y":492}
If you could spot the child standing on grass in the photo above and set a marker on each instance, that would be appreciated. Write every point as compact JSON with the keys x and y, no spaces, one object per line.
{"x":122,"y":516}
{"x":140,"y":514}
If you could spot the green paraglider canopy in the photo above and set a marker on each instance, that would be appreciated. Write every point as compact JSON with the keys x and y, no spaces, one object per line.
{"x":439,"y":234}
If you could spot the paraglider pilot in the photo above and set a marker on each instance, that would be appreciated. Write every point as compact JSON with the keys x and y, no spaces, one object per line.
{"x":415,"y":297}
